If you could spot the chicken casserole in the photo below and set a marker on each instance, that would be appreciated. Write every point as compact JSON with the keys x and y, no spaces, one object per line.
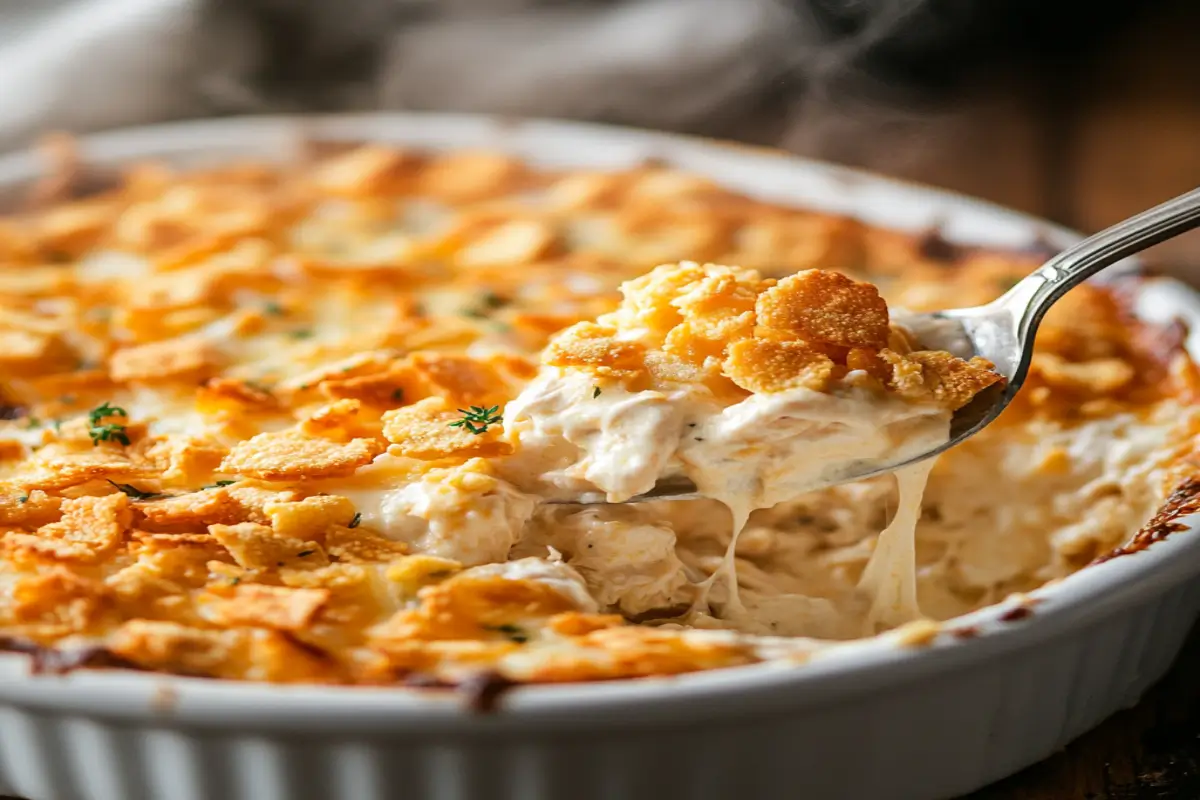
{"x":294,"y":423}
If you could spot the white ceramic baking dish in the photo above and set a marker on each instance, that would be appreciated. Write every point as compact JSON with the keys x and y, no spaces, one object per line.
{"x":882,"y":720}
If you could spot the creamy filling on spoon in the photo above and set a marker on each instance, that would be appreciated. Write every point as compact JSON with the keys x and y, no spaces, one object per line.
{"x":772,"y":410}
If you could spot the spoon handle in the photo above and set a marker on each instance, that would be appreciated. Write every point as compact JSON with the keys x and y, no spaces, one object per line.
{"x":1076,"y":264}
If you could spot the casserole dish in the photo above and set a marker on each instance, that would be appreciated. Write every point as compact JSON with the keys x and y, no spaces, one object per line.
{"x":1004,"y":687}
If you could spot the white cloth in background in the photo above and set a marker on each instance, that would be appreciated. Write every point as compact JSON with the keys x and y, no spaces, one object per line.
{"x":83,"y":65}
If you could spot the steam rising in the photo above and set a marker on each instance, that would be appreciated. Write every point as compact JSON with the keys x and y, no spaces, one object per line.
{"x":716,"y":66}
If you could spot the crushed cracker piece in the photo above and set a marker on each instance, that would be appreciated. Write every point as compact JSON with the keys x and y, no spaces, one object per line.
{"x":359,"y":546}
{"x":165,"y":361}
{"x":822,"y":306}
{"x":291,"y":454}
{"x":597,"y":349}
{"x":762,"y":365}
{"x":426,"y":430}
{"x":90,"y":528}
{"x":256,"y":546}
{"x":261,"y":606}
{"x":311,"y":517}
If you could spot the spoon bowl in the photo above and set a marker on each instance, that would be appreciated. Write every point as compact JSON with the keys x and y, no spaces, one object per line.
{"x":1001,"y":332}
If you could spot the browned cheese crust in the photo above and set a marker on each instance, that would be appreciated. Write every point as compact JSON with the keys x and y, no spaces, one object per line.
{"x":184,"y":358}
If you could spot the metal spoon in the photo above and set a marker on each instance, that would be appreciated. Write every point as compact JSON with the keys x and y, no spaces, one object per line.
{"x":1001,"y":331}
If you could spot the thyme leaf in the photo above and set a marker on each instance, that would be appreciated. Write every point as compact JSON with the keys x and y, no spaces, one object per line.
{"x":136,"y":493}
{"x":478,"y":418}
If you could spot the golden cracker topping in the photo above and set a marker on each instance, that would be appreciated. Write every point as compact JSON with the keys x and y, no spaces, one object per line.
{"x":201,"y":370}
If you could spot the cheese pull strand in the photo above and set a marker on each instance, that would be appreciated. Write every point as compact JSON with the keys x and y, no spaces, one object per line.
{"x":890,"y":577}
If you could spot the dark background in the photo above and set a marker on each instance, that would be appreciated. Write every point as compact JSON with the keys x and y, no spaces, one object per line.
{"x":1082,"y":112}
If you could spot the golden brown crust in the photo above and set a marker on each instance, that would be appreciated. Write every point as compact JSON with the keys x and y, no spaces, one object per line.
{"x":188,"y":360}
{"x":821,"y":306}
{"x":292,"y":454}
{"x":432,"y":429}
{"x":715,"y":325}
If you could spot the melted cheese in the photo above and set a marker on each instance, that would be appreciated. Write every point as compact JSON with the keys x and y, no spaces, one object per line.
{"x":750,"y":455}
{"x":890,"y":578}
{"x":318,"y":305}
{"x":473,"y":520}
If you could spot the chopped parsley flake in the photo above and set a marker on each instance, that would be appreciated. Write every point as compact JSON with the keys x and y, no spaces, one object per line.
{"x":304,"y":553}
{"x":513,"y":632}
{"x":23,"y":498}
{"x":493,"y":300}
{"x":110,"y":432}
{"x":32,"y":422}
{"x":357,"y":519}
{"x":136,"y":493}
{"x":595,"y":392}
{"x":101,"y":411}
{"x":274,"y":309}
{"x":477,"y":419}
{"x":302,"y":333}
{"x":218,"y":484}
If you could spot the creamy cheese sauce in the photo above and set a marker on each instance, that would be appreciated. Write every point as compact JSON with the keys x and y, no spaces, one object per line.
{"x":572,"y":439}
{"x":890,"y":578}
{"x":469,"y":517}
{"x":750,"y":455}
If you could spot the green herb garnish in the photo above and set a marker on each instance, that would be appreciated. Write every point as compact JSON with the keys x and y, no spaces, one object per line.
{"x":595,"y":392}
{"x":110,"y":432}
{"x":477,"y":419}
{"x":101,"y":411}
{"x":513,"y":632}
{"x":32,"y":422}
{"x":354,"y":522}
{"x":23,"y":499}
{"x":218,"y":484}
{"x":493,"y":300}
{"x":273,"y":308}
{"x":304,"y":553}
{"x":136,"y":493}
{"x":302,"y":333}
